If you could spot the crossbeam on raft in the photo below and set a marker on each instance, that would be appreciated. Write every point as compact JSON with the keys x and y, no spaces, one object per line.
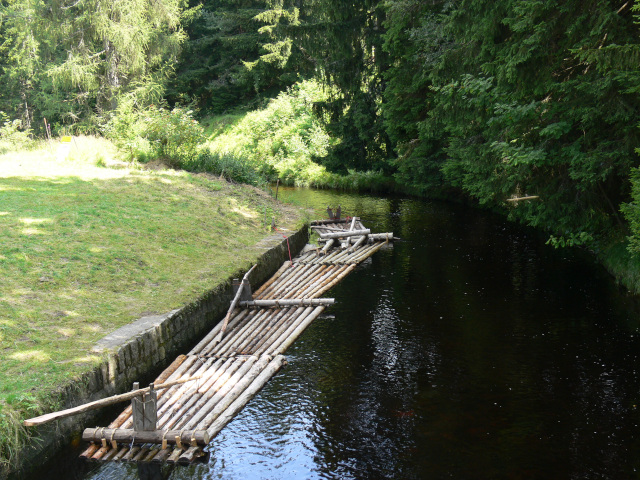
{"x":137,"y":437}
{"x":289,"y":302}
{"x":373,"y":237}
{"x":352,"y":233}
{"x":335,"y":220}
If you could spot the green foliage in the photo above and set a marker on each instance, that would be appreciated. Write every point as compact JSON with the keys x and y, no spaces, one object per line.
{"x":172,"y":136}
{"x":340,"y":42}
{"x":226,"y":165}
{"x":517,"y":98}
{"x":282,"y":140}
{"x":229,"y":59}
{"x":631,"y":211}
{"x":12,"y":137}
{"x":73,"y":62}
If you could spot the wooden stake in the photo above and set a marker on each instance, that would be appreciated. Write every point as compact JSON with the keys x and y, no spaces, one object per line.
{"x":233,"y":305}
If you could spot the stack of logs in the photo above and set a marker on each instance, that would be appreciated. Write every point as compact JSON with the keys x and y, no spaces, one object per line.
{"x":230,"y":365}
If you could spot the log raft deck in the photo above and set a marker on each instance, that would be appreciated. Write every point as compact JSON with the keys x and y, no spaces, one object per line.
{"x":173,"y":419}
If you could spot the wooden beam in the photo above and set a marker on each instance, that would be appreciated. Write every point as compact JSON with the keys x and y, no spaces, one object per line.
{"x":104,"y":402}
{"x":140,"y":437}
{"x":289,"y":302}
{"x":353,"y":233}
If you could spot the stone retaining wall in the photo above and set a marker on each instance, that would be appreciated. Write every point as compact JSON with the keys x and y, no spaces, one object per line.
{"x":139,"y":349}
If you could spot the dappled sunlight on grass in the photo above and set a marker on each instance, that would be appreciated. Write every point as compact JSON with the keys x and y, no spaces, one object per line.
{"x":31,"y":221}
{"x":32,"y":231}
{"x":31,"y":355}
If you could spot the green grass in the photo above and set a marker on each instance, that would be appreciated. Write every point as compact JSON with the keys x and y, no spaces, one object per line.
{"x":87,"y":249}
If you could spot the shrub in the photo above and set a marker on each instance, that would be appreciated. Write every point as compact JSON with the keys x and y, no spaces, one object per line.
{"x":156,"y":133}
{"x":12,"y":137}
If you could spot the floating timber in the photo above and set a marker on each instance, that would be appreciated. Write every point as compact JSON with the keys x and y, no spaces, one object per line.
{"x":200,"y":392}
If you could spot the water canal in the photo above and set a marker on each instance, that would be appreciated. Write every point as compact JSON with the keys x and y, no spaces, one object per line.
{"x":468,"y":350}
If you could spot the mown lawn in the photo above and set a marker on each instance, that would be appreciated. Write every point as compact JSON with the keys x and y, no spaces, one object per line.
{"x":86,"y":249}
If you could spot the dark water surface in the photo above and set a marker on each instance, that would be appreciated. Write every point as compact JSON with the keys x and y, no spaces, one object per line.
{"x":467,"y":350}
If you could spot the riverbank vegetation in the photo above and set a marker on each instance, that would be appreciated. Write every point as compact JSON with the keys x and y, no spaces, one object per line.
{"x":90,"y":244}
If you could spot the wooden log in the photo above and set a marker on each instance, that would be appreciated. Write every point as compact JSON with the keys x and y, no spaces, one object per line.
{"x":142,"y":453}
{"x":149,"y":456}
{"x":354,"y":233}
{"x":49,"y":417}
{"x":326,"y":229}
{"x":366,"y":253}
{"x":235,"y":301}
{"x":238,"y":322}
{"x":257,"y":343}
{"x":268,"y":325}
{"x":222,"y":403}
{"x":347,"y":241}
{"x":198,"y":349}
{"x":182,"y":407}
{"x":123,"y":451}
{"x":276,"y":321}
{"x":328,"y":246}
{"x":169,"y":407}
{"x":293,"y":302}
{"x":208,"y":403}
{"x":141,"y":437}
{"x":517,"y":199}
{"x":330,"y":221}
{"x":89,"y":451}
{"x":286,"y":277}
{"x":335,"y":280}
{"x":253,"y":388}
{"x":190,"y":455}
{"x":110,"y":454}
{"x":131,"y":454}
{"x":361,"y":241}
{"x":373,"y":237}
{"x":267,"y":347}
{"x":101,"y":452}
{"x":286,"y":336}
{"x":282,"y":347}
{"x":162,"y":455}
{"x":173,"y":458}
{"x":187,"y":369}
{"x":317,"y":288}
{"x":228,"y":347}
{"x":273,"y":278}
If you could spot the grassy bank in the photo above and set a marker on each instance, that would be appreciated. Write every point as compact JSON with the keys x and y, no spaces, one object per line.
{"x":90,"y":244}
{"x":284,"y":140}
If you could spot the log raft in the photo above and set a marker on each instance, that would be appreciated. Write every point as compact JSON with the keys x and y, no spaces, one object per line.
{"x":200,"y":392}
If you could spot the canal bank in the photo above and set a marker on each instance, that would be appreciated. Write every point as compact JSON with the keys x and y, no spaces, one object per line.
{"x":142,"y":347}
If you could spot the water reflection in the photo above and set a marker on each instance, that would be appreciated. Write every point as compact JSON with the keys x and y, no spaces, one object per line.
{"x":468,"y":350}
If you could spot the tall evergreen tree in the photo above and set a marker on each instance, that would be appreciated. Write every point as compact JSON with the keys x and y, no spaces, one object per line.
{"x":229,"y":59}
